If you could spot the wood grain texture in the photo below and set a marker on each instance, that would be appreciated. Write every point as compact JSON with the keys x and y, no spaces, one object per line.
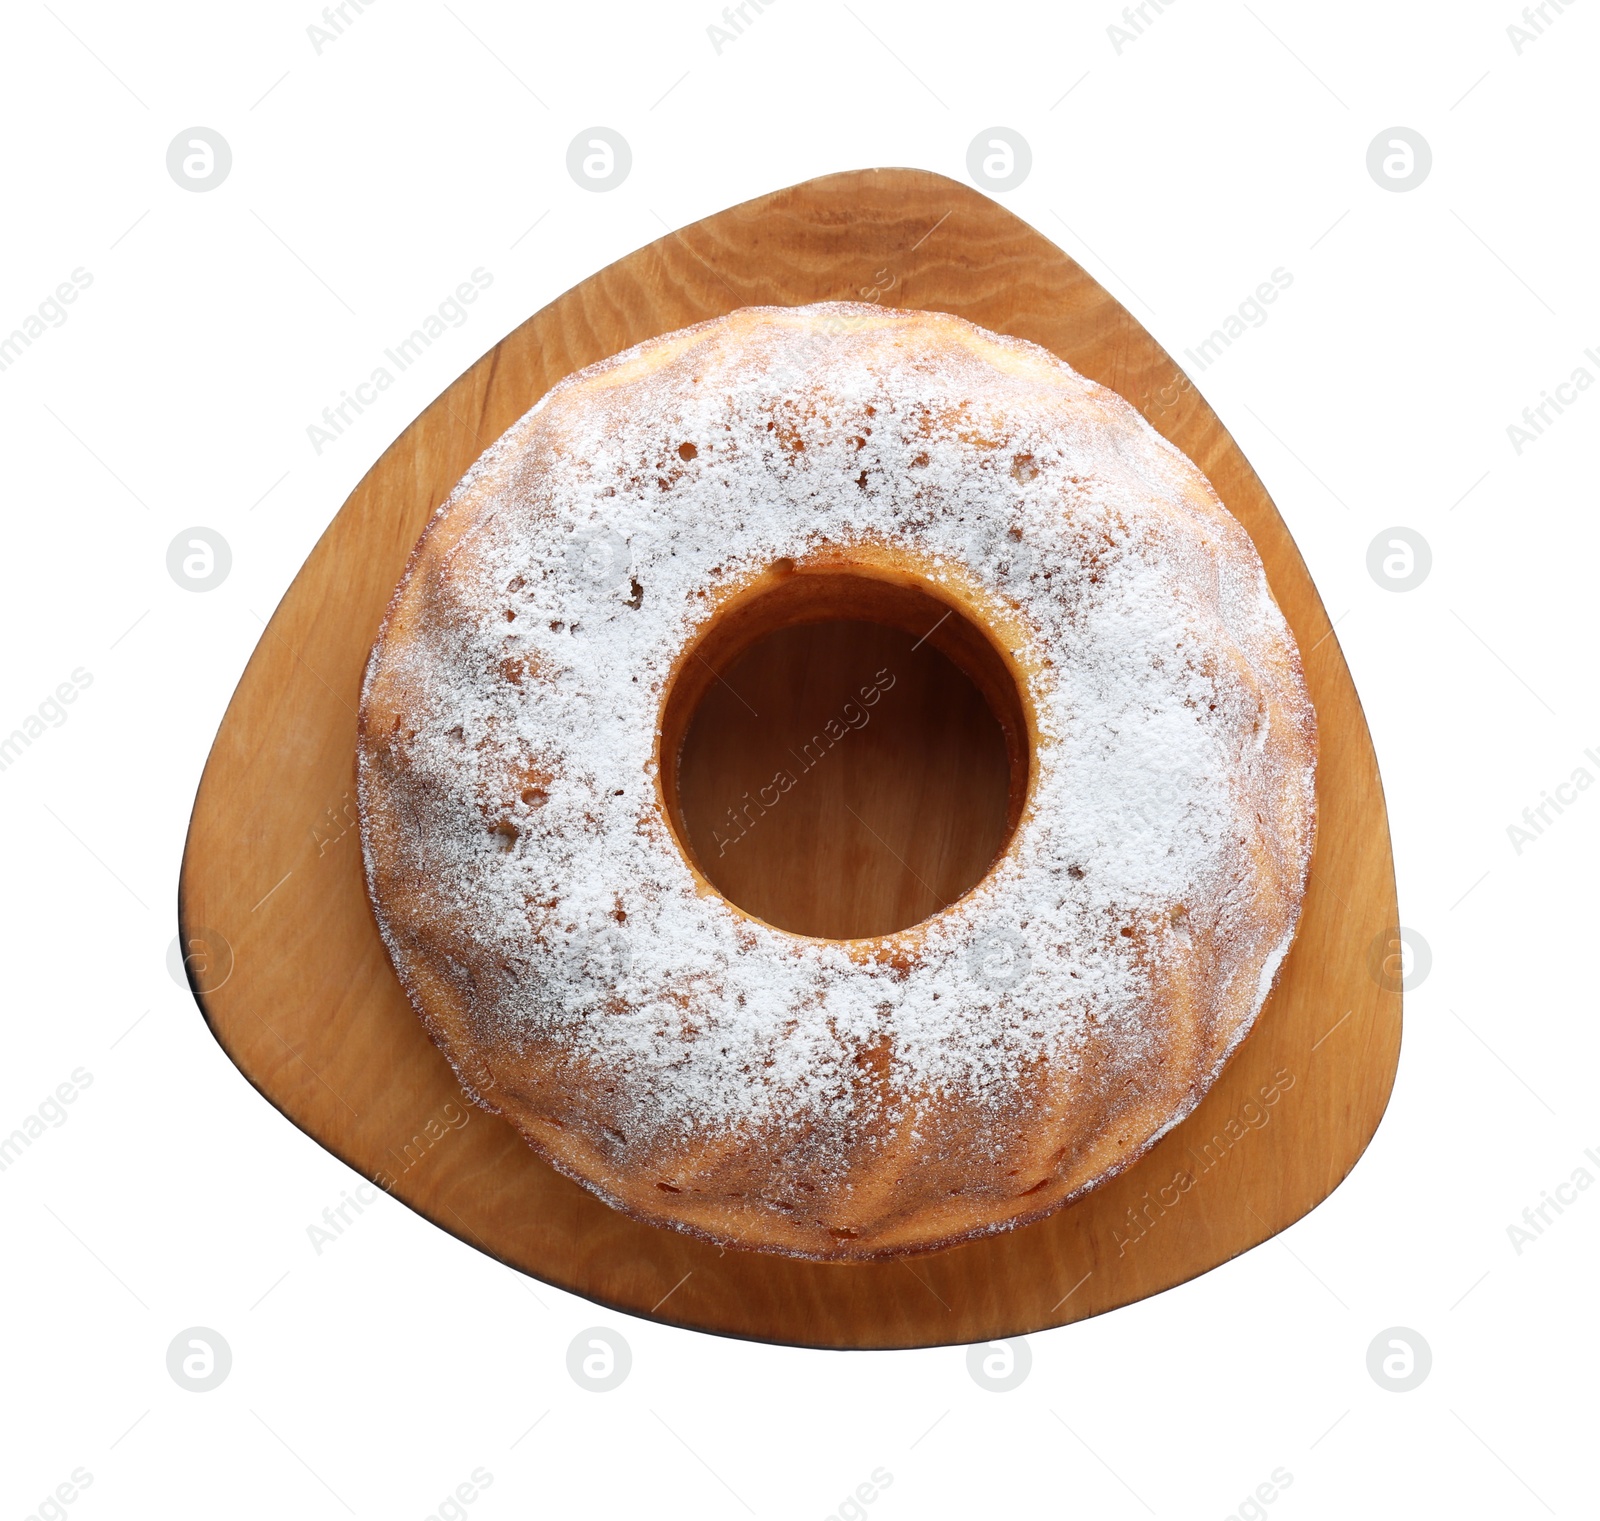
{"x":875,"y":833}
{"x":271,"y":889}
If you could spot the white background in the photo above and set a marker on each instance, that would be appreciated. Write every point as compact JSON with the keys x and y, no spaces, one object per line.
{"x":367,"y":182}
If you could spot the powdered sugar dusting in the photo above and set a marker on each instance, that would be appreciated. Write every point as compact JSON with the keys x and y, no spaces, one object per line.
{"x":1154,"y":880}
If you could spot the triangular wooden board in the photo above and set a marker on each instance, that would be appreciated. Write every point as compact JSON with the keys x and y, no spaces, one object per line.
{"x":293,"y":979}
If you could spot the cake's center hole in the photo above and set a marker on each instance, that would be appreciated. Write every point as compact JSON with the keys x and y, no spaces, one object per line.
{"x":851,"y":755}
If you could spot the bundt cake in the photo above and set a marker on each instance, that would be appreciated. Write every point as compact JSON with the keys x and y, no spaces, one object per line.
{"x":549,"y":904}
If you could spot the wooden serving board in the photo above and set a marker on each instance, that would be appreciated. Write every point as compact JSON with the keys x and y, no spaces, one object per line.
{"x":290,"y":973}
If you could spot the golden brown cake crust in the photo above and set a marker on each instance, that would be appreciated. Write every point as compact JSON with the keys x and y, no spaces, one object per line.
{"x":696,"y":1067}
